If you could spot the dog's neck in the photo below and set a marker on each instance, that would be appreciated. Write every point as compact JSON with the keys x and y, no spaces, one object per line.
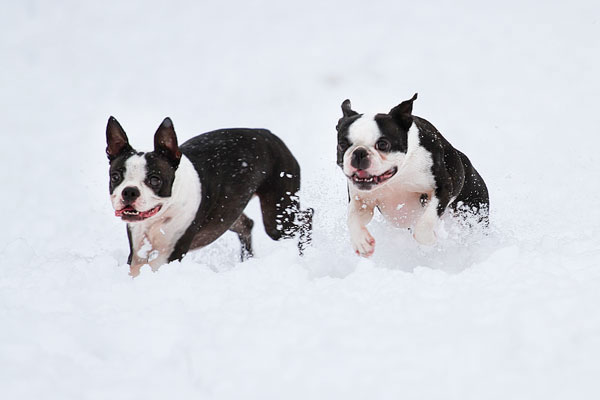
{"x":153,"y":240}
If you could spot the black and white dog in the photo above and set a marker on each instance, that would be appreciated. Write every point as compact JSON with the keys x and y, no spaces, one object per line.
{"x":402,"y":165}
{"x":178,"y":198}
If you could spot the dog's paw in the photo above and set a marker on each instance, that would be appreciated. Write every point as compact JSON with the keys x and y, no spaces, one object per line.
{"x":425,"y":234}
{"x":134,"y":270}
{"x":363,"y":243}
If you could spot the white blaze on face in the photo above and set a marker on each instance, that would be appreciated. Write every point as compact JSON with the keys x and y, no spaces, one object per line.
{"x":135,"y":175}
{"x":364,"y":132}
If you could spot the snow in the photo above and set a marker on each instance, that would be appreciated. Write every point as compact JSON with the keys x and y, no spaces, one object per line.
{"x":512,"y":314}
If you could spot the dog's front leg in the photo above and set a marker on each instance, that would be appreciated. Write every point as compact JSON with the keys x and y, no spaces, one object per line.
{"x":134,"y":270}
{"x":130,"y":257}
{"x":134,"y":262}
{"x":424,"y":229}
{"x":360,"y":214}
{"x":148,"y":256}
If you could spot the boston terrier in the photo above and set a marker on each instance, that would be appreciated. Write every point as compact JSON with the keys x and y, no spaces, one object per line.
{"x":400,"y":164}
{"x":178,"y":198}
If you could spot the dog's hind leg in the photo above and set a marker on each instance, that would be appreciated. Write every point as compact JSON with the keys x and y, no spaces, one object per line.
{"x":305,"y":219}
{"x":282,"y":216}
{"x":243,"y":227}
{"x":278,"y":211}
{"x":473,"y":202}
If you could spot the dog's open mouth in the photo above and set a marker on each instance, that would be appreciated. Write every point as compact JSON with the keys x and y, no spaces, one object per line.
{"x":128,"y":213}
{"x":361,"y":178}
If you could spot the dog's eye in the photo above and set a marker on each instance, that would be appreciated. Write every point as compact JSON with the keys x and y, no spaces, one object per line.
{"x":115,"y":177}
{"x":154,"y":181}
{"x":383,"y":145}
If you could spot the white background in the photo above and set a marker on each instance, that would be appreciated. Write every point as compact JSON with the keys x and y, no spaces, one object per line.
{"x":514,"y":314}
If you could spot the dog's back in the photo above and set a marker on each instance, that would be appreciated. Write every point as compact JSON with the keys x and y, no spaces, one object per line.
{"x":252,"y":157}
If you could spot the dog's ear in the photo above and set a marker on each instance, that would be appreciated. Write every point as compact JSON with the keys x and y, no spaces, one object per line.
{"x":405,"y":107}
{"x":402,"y":113}
{"x":116,"y":139}
{"x":165,"y":141}
{"x":347,"y":109}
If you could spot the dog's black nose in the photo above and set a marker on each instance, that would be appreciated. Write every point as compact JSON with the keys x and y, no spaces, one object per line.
{"x":360,"y":159}
{"x":129,"y":194}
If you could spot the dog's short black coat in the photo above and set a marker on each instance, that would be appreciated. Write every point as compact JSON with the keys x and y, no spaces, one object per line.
{"x":272,"y":173}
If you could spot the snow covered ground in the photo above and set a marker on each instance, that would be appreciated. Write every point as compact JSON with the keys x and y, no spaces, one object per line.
{"x":514,"y":314}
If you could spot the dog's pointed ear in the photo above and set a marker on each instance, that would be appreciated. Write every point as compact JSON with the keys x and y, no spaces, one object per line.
{"x":165,"y":141}
{"x":116,"y":139}
{"x":402,"y":113}
{"x":347,"y":110}
{"x":405,"y":107}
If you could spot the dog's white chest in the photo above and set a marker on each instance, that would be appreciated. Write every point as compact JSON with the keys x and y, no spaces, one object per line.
{"x":154,"y":240}
{"x":401,"y":208}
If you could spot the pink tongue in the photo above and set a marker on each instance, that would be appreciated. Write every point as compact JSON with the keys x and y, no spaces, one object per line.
{"x":361,"y":173}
